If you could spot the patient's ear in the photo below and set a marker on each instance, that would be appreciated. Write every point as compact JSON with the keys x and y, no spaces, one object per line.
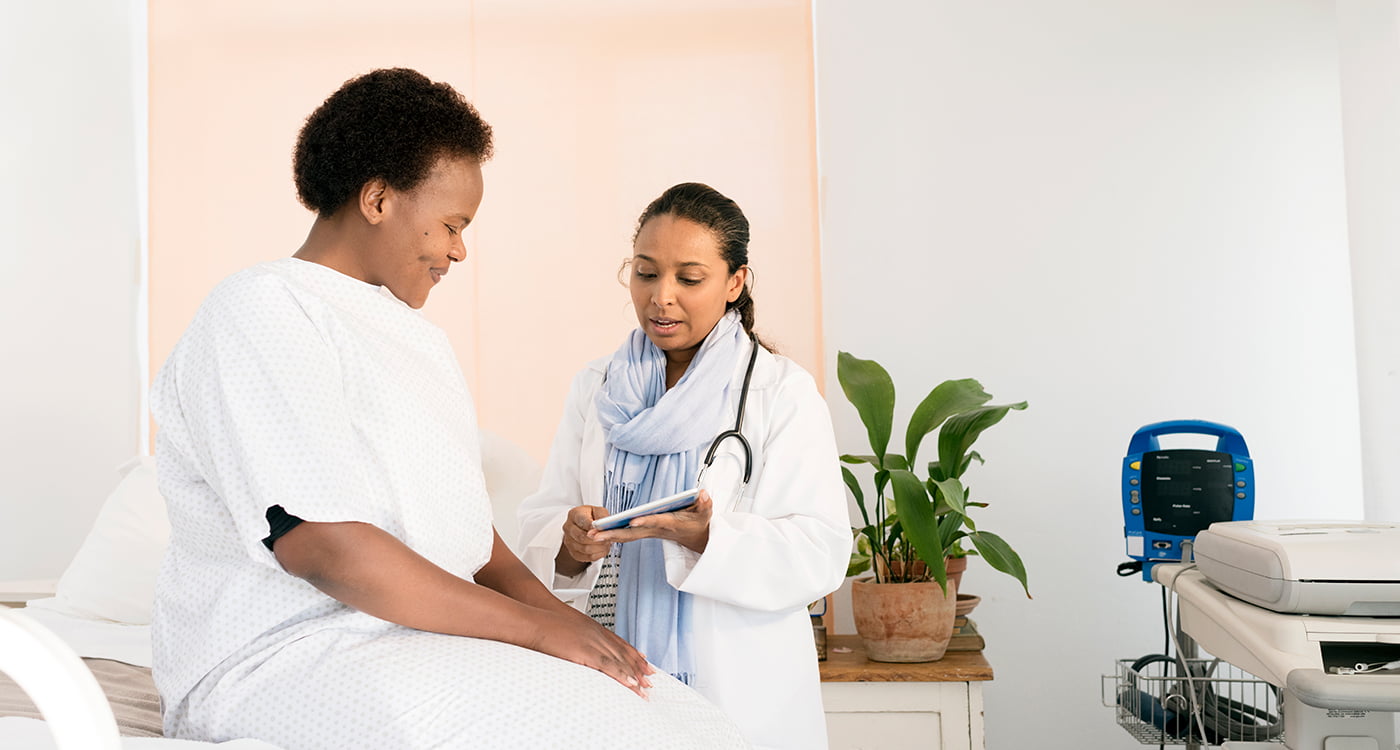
{"x":371,"y":200}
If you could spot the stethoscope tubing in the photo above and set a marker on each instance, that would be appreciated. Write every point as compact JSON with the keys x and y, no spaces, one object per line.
{"x":738,"y":425}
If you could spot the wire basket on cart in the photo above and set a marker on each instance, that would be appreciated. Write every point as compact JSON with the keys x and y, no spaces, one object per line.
{"x":1213,"y":702}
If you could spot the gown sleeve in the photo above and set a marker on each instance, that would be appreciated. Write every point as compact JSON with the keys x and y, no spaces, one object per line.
{"x":791,"y":548}
{"x":260,"y":410}
{"x":542,"y":514}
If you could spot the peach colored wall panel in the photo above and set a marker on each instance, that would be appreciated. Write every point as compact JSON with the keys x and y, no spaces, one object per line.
{"x":230,"y":86}
{"x":596,"y":110}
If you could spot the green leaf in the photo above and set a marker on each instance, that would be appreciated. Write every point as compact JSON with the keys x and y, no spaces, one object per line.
{"x":935,"y":470}
{"x":920,"y":523}
{"x":858,"y":564}
{"x":862,"y":541}
{"x":951,"y":492}
{"x":999,"y":555}
{"x":968,"y":461}
{"x":854,"y":486}
{"x":948,"y":398}
{"x":962,"y":430}
{"x":938,"y":568}
{"x":848,"y":458}
{"x":868,"y":387}
{"x":872,"y":543}
{"x":895,"y":461}
{"x":950,"y":530}
{"x":892,"y":538}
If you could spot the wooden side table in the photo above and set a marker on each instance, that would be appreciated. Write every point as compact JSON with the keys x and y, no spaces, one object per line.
{"x":871,"y":705}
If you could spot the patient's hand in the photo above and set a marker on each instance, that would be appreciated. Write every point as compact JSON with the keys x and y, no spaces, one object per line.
{"x":578,"y":548}
{"x":689,"y":527}
{"x":373,"y":571}
{"x":579,"y":639}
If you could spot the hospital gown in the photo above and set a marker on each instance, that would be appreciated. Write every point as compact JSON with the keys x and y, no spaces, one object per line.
{"x":298,"y":386}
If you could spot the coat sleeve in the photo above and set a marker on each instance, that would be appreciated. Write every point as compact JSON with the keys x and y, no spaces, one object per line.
{"x":542,"y":514}
{"x":792,"y":546}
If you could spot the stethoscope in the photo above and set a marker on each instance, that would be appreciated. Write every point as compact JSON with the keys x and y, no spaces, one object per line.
{"x":735,"y":433}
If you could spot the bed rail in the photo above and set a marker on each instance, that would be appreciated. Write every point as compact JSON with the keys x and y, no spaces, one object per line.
{"x":58,"y":682}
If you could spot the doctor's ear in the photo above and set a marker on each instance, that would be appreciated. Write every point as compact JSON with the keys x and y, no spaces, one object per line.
{"x":737,"y":284}
{"x":371,"y":200}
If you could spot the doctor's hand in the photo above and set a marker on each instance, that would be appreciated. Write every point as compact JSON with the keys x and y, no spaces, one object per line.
{"x":689,"y":527}
{"x":578,"y":549}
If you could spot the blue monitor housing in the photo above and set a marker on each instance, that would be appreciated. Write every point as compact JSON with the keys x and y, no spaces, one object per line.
{"x":1170,"y":495}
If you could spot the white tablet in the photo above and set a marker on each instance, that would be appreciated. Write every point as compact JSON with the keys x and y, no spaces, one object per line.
{"x":664,"y":505}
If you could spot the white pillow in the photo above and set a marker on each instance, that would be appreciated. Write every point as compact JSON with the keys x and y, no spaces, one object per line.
{"x":113,"y":576}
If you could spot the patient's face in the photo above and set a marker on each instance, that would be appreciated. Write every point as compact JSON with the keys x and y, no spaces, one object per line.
{"x":680,"y":284}
{"x":421,"y":230}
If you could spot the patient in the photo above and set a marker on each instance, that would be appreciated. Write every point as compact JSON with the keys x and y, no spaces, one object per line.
{"x":333,"y":579}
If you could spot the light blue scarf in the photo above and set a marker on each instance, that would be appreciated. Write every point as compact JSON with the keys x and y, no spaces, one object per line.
{"x":655,"y":443}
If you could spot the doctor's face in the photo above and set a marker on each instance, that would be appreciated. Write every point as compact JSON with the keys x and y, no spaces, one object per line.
{"x":680,"y":284}
{"x":421,"y":230}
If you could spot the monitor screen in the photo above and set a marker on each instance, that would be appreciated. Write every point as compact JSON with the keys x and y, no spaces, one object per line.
{"x":1185,"y":491}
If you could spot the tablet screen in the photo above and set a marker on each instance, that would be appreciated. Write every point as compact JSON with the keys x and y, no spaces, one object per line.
{"x":664,"y":505}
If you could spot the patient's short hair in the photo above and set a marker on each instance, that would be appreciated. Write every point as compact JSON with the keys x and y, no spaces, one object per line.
{"x":393,"y":124}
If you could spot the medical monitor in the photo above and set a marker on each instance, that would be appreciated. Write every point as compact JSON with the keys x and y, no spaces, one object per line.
{"x":1171,"y":494}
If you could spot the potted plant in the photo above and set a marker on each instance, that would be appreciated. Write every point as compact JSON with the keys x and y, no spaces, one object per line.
{"x":913,"y":522}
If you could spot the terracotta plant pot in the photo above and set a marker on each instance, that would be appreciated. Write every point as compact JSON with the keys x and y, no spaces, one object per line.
{"x":956,"y":566}
{"x":903,"y":622}
{"x":895,"y":569}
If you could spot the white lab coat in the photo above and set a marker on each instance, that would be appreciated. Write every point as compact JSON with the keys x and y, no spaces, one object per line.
{"x":771,"y":552}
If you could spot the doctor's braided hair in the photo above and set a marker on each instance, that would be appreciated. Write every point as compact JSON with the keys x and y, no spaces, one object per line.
{"x":714,"y":211}
{"x":392,"y":124}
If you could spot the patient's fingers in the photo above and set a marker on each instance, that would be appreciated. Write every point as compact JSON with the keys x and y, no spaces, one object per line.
{"x":617,"y":659}
{"x":627,"y":674}
{"x":635,"y":659}
{"x":630,"y":667}
{"x":575,"y":636}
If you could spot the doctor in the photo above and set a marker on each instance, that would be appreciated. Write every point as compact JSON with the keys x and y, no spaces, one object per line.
{"x":715,"y":594}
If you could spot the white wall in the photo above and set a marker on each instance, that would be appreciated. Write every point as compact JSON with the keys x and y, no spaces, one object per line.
{"x":1369,"y":43}
{"x":68,"y":274}
{"x":1369,"y":36}
{"x":1122,"y":213}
